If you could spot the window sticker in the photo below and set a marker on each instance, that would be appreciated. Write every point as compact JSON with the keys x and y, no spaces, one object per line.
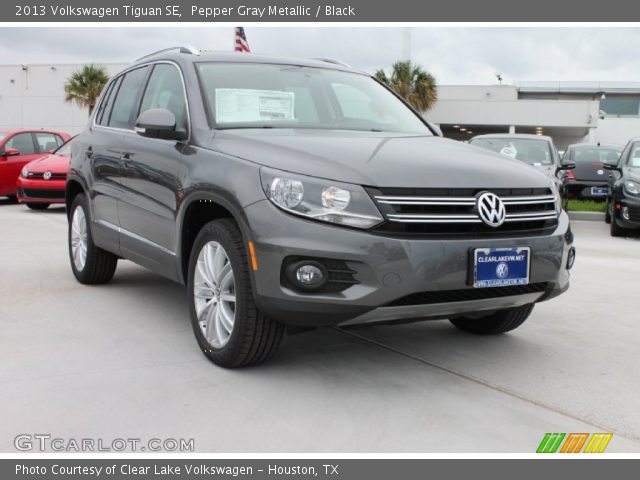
{"x":245,"y":105}
{"x":509,"y":150}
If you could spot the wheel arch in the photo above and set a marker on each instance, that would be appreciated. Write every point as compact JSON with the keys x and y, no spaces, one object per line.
{"x":74,"y":187}
{"x":197,"y":210}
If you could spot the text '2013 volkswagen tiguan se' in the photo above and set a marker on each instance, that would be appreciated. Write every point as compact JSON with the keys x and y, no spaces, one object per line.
{"x":301,"y":193}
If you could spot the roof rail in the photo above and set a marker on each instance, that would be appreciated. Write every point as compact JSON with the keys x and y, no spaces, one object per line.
{"x":334,"y":62}
{"x":184,"y":49}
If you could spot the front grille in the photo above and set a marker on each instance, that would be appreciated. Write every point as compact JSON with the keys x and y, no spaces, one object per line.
{"x":467,"y":294}
{"x":38,"y":193}
{"x":54,"y":176}
{"x":452,"y":212}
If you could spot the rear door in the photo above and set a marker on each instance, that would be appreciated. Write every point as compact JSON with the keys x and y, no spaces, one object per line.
{"x":102,"y":146}
{"x":10,"y":166}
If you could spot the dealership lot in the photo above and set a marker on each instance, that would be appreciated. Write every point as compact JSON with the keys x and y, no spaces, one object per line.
{"x":120,"y":361}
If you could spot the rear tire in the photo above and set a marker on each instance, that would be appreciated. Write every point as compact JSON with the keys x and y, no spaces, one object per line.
{"x":499,"y":322}
{"x":228,"y":326}
{"x":38,"y":206}
{"x":12,"y":198}
{"x":607,"y":214}
{"x":90,"y":264}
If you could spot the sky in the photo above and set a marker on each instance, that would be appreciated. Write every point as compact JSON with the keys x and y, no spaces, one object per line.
{"x":454,"y":55}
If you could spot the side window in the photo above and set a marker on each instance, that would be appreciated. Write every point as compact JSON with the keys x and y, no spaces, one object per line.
{"x":165,"y":90}
{"x":23,"y":142}
{"x":102,"y":116}
{"x":125,"y":105}
{"x":47,"y":141}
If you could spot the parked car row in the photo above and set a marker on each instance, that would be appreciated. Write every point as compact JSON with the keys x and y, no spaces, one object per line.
{"x":587,"y":171}
{"x":34,"y":166}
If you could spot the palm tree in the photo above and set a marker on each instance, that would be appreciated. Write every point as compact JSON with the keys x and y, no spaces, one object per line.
{"x":411,"y":82}
{"x":84,"y":86}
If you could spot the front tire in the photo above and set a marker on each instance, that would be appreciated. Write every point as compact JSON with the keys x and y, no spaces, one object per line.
{"x":607,"y":213}
{"x":616,"y":230}
{"x":38,"y":206}
{"x":89,"y":263}
{"x":498,"y":322}
{"x":228,"y":326}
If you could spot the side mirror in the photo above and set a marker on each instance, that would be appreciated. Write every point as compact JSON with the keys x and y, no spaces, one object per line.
{"x":611,"y":166}
{"x":566,"y":165}
{"x":159,"y":123}
{"x":9,"y":152}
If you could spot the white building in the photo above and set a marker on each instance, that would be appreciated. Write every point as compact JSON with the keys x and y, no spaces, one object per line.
{"x":32,"y":96}
{"x":570,"y":112}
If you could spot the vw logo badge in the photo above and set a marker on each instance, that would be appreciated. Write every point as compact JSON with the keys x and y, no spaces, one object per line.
{"x":502,"y":270}
{"x":47,"y":175}
{"x":491,"y":209}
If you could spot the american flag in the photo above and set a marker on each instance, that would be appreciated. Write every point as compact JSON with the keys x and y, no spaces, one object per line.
{"x":241,"y":41}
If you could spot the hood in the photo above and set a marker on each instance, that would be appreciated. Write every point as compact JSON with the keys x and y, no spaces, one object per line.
{"x":50,"y":163}
{"x":548,"y":170}
{"x":378,"y":159}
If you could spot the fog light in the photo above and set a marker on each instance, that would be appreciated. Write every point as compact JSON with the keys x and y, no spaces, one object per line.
{"x":309,"y":275}
{"x":625,"y":213}
{"x":571,"y":258}
{"x":306,"y":275}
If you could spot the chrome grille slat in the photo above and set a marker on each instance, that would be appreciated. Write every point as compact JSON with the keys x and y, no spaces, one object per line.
{"x":437,"y":208}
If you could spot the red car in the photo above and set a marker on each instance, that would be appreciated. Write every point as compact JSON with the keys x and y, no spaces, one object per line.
{"x":42,"y":181}
{"x":19,"y":147}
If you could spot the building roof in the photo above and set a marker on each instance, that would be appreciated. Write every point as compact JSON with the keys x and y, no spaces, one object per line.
{"x":577,"y":87}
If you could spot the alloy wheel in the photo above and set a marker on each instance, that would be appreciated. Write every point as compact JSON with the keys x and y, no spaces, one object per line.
{"x":214,"y":294}
{"x":79,"y":238}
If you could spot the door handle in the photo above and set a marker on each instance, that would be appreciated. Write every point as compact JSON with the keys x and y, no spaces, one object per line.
{"x":125,"y":156}
{"x":89,"y":152}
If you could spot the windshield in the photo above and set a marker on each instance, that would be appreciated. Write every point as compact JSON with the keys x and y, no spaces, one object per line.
{"x":634,"y":157}
{"x":595,"y":154}
{"x":65,"y":148}
{"x":249,"y":95}
{"x":529,"y":150}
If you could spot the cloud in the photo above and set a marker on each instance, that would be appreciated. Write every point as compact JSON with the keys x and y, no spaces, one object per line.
{"x":455,"y":55}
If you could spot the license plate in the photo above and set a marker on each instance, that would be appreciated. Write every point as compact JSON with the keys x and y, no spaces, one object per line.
{"x":600,"y":191}
{"x":501,"y":267}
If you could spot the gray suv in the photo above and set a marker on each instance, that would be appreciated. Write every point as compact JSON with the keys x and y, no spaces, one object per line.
{"x":288,"y":194}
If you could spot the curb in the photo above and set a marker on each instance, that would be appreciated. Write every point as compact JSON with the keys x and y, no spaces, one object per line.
{"x":589,"y":216}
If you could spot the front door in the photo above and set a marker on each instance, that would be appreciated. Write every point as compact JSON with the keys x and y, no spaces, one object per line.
{"x":149,"y":177}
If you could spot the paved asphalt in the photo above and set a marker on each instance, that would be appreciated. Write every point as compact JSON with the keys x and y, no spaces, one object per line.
{"x":120,"y":360}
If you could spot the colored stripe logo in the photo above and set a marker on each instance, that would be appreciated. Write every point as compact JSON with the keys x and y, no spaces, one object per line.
{"x":573,"y":443}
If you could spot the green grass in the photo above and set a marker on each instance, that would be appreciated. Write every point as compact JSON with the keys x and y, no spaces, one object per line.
{"x":586,"y":206}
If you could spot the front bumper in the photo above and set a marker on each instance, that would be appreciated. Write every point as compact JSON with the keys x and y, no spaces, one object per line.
{"x":633,"y":208}
{"x":388,"y":269}
{"x":40,"y":191}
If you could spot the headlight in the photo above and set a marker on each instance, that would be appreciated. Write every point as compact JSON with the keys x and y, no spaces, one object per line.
{"x":25,"y":172}
{"x":318,"y":199}
{"x":632,"y":188}
{"x":558,"y":198}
